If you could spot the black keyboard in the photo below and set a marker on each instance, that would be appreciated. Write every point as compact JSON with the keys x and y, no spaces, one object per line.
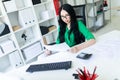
{"x":49,"y":66}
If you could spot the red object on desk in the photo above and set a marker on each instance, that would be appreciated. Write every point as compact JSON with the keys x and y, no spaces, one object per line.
{"x":85,"y":75}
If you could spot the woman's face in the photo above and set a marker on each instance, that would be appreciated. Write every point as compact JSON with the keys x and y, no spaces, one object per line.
{"x":65,"y":16}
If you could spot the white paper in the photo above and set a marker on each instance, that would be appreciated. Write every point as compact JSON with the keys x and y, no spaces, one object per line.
{"x":58,"y":47}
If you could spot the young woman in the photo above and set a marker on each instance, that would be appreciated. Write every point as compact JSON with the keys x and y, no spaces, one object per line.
{"x":73,"y":31}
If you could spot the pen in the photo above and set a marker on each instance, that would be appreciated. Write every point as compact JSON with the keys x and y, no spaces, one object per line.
{"x":80,"y":76}
{"x":84,"y":74}
{"x":93,"y":75}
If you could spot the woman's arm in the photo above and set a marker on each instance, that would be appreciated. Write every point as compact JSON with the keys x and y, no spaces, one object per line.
{"x":83,"y":45}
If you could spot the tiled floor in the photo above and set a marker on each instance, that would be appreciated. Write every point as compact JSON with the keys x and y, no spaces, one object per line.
{"x":113,"y":25}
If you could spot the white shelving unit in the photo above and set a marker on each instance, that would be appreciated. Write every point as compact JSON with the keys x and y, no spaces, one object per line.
{"x":25,"y":42}
{"x":95,"y":14}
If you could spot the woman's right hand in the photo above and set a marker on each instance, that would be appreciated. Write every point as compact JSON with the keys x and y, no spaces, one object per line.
{"x":47,"y":52}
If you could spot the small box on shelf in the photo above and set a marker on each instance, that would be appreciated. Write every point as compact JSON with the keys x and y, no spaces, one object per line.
{"x":51,"y":28}
{"x":44,"y":40}
{"x":15,"y":27}
{"x":45,"y":29}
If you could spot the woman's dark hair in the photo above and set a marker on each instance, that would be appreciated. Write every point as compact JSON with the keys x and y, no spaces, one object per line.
{"x":79,"y":38}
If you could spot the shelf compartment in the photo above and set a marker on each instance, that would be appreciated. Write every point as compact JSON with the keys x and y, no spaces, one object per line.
{"x":27,"y":36}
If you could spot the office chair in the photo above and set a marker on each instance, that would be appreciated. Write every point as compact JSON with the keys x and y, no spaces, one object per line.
{"x":80,"y":12}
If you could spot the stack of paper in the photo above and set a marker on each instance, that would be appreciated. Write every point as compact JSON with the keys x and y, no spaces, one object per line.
{"x":58,"y":47}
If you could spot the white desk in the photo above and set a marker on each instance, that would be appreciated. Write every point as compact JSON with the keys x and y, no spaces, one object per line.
{"x":106,"y":54}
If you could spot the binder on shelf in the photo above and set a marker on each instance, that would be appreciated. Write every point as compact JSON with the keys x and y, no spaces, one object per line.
{"x":32,"y":51}
{"x":93,"y":12}
{"x":15,"y":59}
{"x":26,"y":17}
{"x":10,"y":5}
{"x":1,"y":52}
{"x":36,"y":2}
{"x":7,"y":46}
{"x":4,"y":29}
{"x":45,"y":29}
{"x":99,"y":21}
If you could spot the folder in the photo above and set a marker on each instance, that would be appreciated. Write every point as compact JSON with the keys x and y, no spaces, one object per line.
{"x":93,"y":12}
{"x":7,"y":46}
{"x":99,"y":21}
{"x":15,"y":59}
{"x":10,"y":5}
{"x":26,"y":17}
{"x":32,"y":51}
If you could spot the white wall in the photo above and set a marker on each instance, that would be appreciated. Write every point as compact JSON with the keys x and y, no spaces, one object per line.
{"x":114,"y":5}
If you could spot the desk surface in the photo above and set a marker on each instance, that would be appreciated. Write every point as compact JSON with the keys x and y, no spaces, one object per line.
{"x":106,"y":53}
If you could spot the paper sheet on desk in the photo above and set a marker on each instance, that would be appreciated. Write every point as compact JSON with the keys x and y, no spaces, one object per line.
{"x":58,"y":47}
{"x":109,"y":48}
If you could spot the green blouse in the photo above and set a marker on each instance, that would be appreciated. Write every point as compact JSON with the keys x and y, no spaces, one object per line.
{"x":82,"y":28}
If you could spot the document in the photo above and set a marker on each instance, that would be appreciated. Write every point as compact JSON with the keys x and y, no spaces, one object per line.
{"x":58,"y":47}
